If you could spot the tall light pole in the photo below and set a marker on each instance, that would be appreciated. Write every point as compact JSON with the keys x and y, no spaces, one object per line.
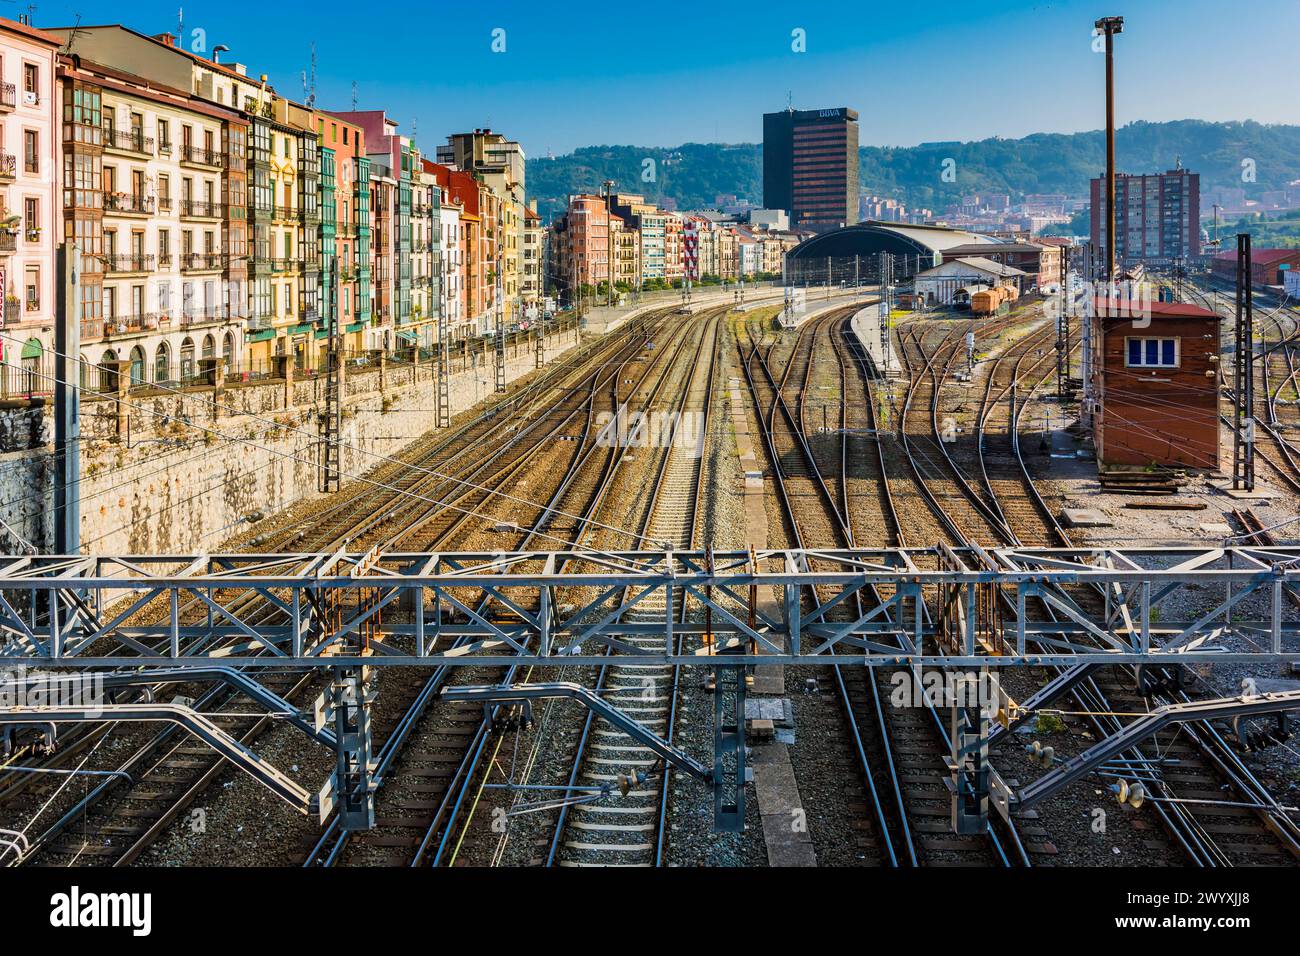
{"x":1110,"y":26}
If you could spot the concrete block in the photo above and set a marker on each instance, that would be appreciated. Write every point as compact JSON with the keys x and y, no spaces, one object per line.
{"x":1084,"y":518}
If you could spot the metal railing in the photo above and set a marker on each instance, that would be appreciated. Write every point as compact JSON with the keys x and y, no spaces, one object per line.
{"x":8,"y":165}
{"x":197,"y":261}
{"x":201,"y":156}
{"x":128,"y":262}
{"x":201,"y":208}
{"x":8,"y":96}
{"x":128,"y":203}
{"x":130,"y":140}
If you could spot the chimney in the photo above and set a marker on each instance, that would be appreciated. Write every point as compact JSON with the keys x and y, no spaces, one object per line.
{"x":166,"y":39}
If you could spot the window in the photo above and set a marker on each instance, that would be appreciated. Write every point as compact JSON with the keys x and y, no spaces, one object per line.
{"x":164,"y":136}
{"x":1152,"y":353}
{"x":32,"y":217}
{"x":31,"y":152}
{"x":32,"y":281}
{"x":31,"y":81}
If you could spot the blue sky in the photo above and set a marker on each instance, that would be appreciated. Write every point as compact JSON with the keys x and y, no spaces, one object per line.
{"x":664,"y":72}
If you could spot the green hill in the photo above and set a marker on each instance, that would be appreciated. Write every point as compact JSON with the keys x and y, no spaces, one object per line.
{"x":694,"y":174}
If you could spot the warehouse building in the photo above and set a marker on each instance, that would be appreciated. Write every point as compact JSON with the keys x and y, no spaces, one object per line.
{"x":937,"y":286}
{"x":1269,"y":267}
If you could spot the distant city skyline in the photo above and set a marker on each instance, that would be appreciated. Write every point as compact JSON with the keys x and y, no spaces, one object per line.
{"x":589,"y":75}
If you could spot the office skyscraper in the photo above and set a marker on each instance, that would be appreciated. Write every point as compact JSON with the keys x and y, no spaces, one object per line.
{"x":810,"y":166}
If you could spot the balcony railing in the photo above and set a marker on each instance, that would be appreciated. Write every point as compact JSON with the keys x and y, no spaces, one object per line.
{"x":8,"y":96}
{"x":214,"y":313}
{"x":201,"y":261}
{"x":128,"y":203}
{"x":110,"y":326}
{"x":284,"y":212}
{"x":128,"y":140}
{"x":165,"y":204}
{"x":128,"y":262}
{"x":202,"y":157}
{"x":8,"y":166}
{"x":8,"y":242}
{"x":201,"y":209}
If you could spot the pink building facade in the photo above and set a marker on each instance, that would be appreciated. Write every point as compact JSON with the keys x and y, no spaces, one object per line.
{"x":30,"y":199}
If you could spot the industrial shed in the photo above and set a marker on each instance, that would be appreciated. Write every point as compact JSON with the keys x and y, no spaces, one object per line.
{"x":938,"y":285}
{"x":1155,"y":384}
{"x":853,"y":253}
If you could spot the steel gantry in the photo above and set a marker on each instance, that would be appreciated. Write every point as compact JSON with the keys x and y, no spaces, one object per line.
{"x":135,"y":620}
{"x":516,"y":607}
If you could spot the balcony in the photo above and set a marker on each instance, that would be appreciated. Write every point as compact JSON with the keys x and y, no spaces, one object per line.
{"x":198,"y":156}
{"x":128,"y":204}
{"x":259,"y":323}
{"x":128,"y":262}
{"x":8,"y":167}
{"x":202,"y":262}
{"x":284,"y":213}
{"x":165,"y":148}
{"x":199,"y":209}
{"x":8,"y":96}
{"x":208,"y":316}
{"x":8,"y":242}
{"x":117,"y":326}
{"x":128,"y":141}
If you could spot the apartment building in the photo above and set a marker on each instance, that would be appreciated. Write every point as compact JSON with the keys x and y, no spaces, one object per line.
{"x":30,"y":174}
{"x":499,"y":164}
{"x":1158,"y":217}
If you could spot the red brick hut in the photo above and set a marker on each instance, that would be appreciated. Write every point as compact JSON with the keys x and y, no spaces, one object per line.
{"x":1155,"y":383}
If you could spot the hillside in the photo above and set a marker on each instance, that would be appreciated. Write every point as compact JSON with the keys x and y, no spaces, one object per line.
{"x":693,"y":174}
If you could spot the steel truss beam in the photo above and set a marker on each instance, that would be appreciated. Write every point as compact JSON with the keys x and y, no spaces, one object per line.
{"x":514,"y":607}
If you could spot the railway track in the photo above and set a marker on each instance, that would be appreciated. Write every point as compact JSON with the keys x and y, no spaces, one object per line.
{"x":116,"y":821}
{"x":424,"y":813}
{"x":898,"y":751}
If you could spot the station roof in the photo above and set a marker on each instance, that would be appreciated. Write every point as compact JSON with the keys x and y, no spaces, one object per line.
{"x":872,"y":237}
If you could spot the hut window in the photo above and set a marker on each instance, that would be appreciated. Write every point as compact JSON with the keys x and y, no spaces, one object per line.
{"x":1152,"y":353}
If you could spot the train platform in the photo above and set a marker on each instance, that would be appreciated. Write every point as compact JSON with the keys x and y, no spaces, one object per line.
{"x":866,"y":326}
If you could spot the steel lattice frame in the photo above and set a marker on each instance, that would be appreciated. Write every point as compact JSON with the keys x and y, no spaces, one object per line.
{"x":564,"y":608}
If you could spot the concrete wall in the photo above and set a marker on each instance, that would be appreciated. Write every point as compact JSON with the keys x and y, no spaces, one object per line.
{"x":180,"y":472}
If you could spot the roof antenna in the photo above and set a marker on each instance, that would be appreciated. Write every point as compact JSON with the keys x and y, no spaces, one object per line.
{"x":180,"y":27}
{"x":354,"y":96}
{"x":789,"y":101}
{"x":310,"y":92}
{"x":72,"y":34}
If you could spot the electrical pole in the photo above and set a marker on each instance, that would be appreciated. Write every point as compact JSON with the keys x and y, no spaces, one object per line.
{"x":609,"y":243}
{"x":1243,"y":438}
{"x":443,"y":362}
{"x":500,"y":337}
{"x":332,"y":419}
{"x":67,"y":402}
{"x":1110,"y":26}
